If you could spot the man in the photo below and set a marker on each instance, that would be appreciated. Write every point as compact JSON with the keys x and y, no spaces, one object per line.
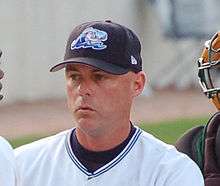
{"x":103,"y":69}
{"x":7,"y":162}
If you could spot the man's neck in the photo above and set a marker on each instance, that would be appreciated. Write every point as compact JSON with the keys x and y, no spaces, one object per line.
{"x":105,"y":141}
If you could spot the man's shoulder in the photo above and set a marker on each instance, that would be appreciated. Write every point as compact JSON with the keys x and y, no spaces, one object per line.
{"x":4,"y":144}
{"x":168,"y":160}
{"x":41,"y":145}
{"x":7,"y":163}
{"x":6,"y":150}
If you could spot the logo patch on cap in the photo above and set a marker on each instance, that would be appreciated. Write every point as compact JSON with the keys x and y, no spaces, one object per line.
{"x":133,"y":61}
{"x":90,"y":38}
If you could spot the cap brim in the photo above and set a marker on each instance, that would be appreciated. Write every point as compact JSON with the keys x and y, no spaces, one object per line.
{"x":102,"y":65}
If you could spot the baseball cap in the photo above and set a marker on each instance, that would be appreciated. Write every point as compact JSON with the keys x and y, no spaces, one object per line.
{"x":105,"y":45}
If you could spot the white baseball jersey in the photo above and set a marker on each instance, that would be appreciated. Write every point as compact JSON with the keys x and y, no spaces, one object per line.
{"x":145,"y":161}
{"x":7,"y":164}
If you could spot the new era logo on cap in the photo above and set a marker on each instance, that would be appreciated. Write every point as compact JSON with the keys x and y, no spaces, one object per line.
{"x":105,"y":45}
{"x":133,"y":61}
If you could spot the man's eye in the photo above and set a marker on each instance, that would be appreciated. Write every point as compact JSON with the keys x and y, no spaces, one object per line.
{"x":75,"y":77}
{"x":99,"y":77}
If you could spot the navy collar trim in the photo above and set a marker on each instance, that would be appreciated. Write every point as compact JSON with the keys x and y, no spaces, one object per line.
{"x":109,"y":165}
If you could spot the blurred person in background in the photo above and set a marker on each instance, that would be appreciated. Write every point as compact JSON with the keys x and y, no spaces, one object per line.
{"x":1,"y":76}
{"x":202,"y":143}
{"x":7,"y":161}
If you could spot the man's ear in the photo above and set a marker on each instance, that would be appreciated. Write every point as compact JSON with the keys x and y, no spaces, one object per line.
{"x":139,"y":83}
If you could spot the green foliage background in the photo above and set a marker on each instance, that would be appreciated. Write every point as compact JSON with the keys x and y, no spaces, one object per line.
{"x":170,"y":131}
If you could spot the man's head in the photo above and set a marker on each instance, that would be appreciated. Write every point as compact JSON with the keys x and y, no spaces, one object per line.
{"x":1,"y":76}
{"x":104,"y":73}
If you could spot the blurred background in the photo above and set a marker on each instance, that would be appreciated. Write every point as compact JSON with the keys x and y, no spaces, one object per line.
{"x":33,"y":36}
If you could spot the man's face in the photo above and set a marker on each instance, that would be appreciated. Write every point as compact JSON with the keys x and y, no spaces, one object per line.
{"x":99,"y":100}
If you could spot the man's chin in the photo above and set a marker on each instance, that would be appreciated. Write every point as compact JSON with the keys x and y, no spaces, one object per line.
{"x":85,"y":122}
{"x":87,"y":125}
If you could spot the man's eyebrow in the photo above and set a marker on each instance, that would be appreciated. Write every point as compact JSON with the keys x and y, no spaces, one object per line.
{"x":98,"y":70}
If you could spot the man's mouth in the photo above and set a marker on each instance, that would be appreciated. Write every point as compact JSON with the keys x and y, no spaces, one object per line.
{"x":84,"y":108}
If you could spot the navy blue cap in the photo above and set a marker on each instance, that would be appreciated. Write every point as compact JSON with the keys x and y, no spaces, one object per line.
{"x":105,"y":45}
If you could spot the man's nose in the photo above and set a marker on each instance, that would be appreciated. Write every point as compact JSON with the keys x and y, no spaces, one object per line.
{"x":85,"y":88}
